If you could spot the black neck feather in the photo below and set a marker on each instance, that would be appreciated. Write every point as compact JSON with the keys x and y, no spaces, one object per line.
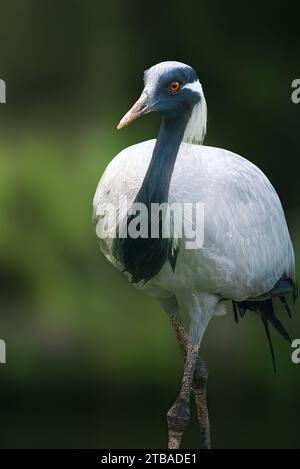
{"x":144,"y":257}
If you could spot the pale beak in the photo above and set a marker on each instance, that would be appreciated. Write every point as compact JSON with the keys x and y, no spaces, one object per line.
{"x":142,"y":106}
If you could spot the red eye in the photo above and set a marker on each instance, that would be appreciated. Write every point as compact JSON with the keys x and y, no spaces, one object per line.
{"x":174,"y":86}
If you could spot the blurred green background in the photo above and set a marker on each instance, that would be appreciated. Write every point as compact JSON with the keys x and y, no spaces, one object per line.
{"x":90,"y":361}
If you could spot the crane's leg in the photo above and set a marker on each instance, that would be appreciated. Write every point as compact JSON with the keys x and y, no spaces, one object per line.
{"x":199,"y":382}
{"x":200,"y":309}
{"x":199,"y":387}
{"x":179,"y":413}
{"x":199,"y":379}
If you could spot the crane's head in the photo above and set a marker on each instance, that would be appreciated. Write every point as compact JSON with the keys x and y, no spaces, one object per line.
{"x":173,"y":89}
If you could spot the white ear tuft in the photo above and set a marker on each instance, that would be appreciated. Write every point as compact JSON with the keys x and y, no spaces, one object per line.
{"x":196,"y":128}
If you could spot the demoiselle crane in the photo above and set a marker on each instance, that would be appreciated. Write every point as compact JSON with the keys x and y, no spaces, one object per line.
{"x":244,"y":252}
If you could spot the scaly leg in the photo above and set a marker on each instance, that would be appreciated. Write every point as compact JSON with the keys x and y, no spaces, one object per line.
{"x":200,"y":309}
{"x":178,"y":415}
{"x":199,"y":388}
{"x":199,"y":382}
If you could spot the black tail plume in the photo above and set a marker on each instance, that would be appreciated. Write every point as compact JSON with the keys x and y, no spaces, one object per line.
{"x":295,"y":291}
{"x":285,"y":304}
{"x":266,"y":312}
{"x":266,"y":325}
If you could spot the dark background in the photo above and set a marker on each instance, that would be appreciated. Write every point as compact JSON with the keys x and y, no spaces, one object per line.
{"x":90,"y":361}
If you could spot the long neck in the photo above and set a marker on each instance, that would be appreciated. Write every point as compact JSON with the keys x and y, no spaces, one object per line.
{"x":156,"y":183}
{"x":143,"y":257}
